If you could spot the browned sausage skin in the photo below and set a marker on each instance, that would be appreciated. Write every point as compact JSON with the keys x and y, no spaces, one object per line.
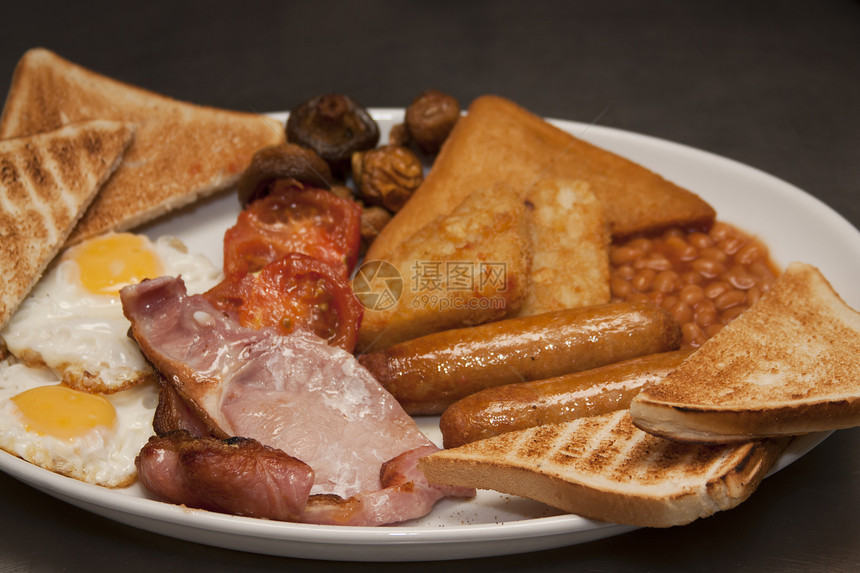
{"x":428,"y":374}
{"x":518,"y":406}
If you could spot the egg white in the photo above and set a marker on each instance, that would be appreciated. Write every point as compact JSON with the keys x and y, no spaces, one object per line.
{"x":102,"y":456}
{"x":83,"y":337}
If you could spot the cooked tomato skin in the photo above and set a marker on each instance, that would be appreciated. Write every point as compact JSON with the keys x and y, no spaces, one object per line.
{"x":296,"y":291}
{"x":294,"y":219}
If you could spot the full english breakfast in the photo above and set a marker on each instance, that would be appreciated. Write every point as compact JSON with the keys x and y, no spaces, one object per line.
{"x":560,"y":307}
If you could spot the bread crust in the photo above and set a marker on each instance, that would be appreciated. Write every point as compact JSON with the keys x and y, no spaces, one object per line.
{"x":786,"y":366}
{"x":603,"y":468}
{"x":722,"y":426}
{"x":46,"y":183}
{"x":181,"y":151}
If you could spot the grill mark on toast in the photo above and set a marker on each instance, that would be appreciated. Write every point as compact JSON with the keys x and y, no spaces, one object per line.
{"x":604,"y":447}
{"x":37,"y":215}
{"x":542,"y":443}
{"x":48,"y":192}
{"x":60,"y":170}
{"x":11,"y":188}
{"x":625,"y":465}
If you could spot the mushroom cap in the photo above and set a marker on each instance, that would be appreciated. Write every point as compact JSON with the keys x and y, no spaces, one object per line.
{"x":333,"y":125}
{"x":282,"y":161}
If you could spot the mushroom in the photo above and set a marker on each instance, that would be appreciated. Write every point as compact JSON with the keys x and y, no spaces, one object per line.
{"x":333,"y":125}
{"x":430,"y":118}
{"x":278,"y":162}
{"x":387,"y":175}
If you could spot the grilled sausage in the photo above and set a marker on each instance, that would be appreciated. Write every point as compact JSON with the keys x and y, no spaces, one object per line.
{"x":428,"y":374}
{"x":518,"y":406}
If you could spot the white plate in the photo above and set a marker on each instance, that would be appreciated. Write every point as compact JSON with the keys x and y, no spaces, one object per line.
{"x":795,"y":226}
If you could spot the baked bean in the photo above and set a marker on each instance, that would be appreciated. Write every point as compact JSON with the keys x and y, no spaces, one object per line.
{"x":731,"y":245}
{"x":691,"y":294}
{"x":619,"y":287}
{"x":665,"y":281}
{"x":705,"y":313}
{"x":750,"y":253}
{"x":692,"y":278}
{"x":692,"y":334}
{"x":626,"y":272}
{"x":729,"y":299}
{"x":709,"y":268}
{"x":700,"y":240}
{"x":705,"y":280}
{"x":719,"y":231}
{"x":714,"y":253}
{"x":732,"y":313}
{"x":624,"y":255}
{"x":641,"y":244}
{"x":715,"y":289}
{"x":675,"y":242}
{"x":739,"y":278}
{"x":641,"y":281}
{"x":681,"y":248}
{"x":682,"y":312}
{"x":654,"y":261}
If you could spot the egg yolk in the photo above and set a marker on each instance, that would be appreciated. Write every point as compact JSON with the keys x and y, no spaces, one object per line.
{"x":63,"y":412}
{"x":111,"y":262}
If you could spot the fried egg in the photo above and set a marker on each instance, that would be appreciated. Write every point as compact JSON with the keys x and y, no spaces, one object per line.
{"x":73,"y":321}
{"x":88,"y":436}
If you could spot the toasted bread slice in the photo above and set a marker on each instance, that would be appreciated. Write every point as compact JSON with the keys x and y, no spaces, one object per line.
{"x":786,"y":366}
{"x":180,"y":152}
{"x":606,"y":469}
{"x":464,"y":268}
{"x":500,"y":141}
{"x":570,"y":243}
{"x":46,"y":183}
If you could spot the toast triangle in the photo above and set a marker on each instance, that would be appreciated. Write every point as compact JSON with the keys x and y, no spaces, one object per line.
{"x":181,"y":151}
{"x":604,"y":468}
{"x":46,"y":183}
{"x":787,"y":366}
{"x":499,"y":141}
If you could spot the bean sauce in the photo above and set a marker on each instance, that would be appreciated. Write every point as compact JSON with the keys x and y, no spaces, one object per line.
{"x":705,"y":280}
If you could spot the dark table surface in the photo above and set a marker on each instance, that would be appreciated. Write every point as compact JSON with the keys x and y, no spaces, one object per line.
{"x":773,"y":84}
